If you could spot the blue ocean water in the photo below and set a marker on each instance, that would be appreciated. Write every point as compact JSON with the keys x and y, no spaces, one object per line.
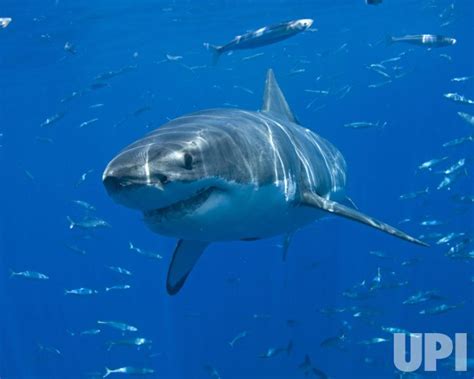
{"x":238,"y":286}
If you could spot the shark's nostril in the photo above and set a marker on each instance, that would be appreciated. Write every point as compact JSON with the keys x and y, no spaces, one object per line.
{"x":163,"y":178}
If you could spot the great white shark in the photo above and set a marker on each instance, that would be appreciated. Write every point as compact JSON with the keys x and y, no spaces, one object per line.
{"x":232,"y":174}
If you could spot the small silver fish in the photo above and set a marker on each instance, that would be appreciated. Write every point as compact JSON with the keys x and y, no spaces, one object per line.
{"x":431,"y":223}
{"x":81,"y":292}
{"x":344,"y":91}
{"x":443,"y":308}
{"x":170,"y":57}
{"x":273,"y":352}
{"x":457,"y":98}
{"x":49,"y":349}
{"x":331,"y":311}
{"x":88,"y":223}
{"x":119,"y":325}
{"x":120,"y":270}
{"x":88,"y":332}
{"x":449,"y":180}
{"x":113,"y":73}
{"x":364,"y":125}
{"x":422,"y":297}
{"x":85,"y":205}
{"x":249,"y":91}
{"x":119,"y":287}
{"x":29,"y":275}
{"x":73,"y":95}
{"x":76,"y":249}
{"x":455,"y":167}
{"x":379,"y":84}
{"x":4,"y":22}
{"x":449,"y":237}
{"x":45,"y":140}
{"x":428,"y":165}
{"x":249,"y":57}
{"x":145,"y":253}
{"x":317,"y":91}
{"x":53,"y":119}
{"x":129,"y":370}
{"x":446,"y":56}
{"x":393,"y":330}
{"x":306,"y":365}
{"x":462,"y":78}
{"x":431,"y":236}
{"x":373,"y":341}
{"x":404,"y":221}
{"x":390,"y":60}
{"x":212,"y":372}
{"x":334,"y":341}
{"x":238,"y":337}
{"x":414,"y":195}
{"x":458,"y":141}
{"x":379,"y":254}
{"x":89,"y":122}
{"x":29,"y":175}
{"x":83,"y":177}
{"x":380,"y":72}
{"x":467,"y":117}
{"x":138,"y":342}
{"x":70,"y":48}
{"x":427,"y":40}
{"x":458,"y":250}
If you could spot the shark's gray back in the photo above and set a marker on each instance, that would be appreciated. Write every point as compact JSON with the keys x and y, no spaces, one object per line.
{"x":257,"y":148}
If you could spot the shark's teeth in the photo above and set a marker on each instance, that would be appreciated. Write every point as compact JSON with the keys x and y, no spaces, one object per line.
{"x":183,"y":206}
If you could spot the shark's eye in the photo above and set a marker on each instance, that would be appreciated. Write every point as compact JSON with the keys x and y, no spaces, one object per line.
{"x":188,"y":161}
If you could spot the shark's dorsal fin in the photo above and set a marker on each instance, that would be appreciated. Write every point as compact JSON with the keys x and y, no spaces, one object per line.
{"x":185,"y":256}
{"x":313,"y":200}
{"x":274,"y":101}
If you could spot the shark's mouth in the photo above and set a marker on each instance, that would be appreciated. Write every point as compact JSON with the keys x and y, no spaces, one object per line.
{"x":181,"y":207}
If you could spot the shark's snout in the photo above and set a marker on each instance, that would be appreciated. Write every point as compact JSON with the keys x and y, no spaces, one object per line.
{"x":117,"y":179}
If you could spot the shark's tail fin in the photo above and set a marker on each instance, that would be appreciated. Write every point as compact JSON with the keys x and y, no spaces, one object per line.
{"x":108,"y":371}
{"x":72,"y":224}
{"x":389,"y":40}
{"x":289,"y":348}
{"x":12,"y":273}
{"x":216,"y":52}
{"x":130,"y":245}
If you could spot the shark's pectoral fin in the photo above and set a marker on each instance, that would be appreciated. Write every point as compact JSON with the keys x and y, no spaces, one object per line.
{"x":184,"y":258}
{"x":315,"y":201}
